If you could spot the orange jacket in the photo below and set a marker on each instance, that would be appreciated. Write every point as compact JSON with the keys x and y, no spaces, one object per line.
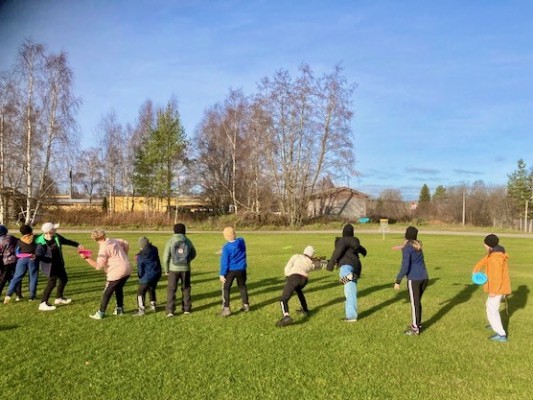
{"x":497,"y":270}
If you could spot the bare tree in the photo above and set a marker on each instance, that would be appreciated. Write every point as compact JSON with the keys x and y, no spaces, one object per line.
{"x":90,"y":172}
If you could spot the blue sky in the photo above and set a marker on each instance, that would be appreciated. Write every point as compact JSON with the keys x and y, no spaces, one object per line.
{"x":444,"y":88}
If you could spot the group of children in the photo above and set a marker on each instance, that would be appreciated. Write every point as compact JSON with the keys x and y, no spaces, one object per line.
{"x":33,"y":252}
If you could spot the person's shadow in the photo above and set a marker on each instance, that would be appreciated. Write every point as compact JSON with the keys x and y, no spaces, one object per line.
{"x":462,"y":297}
{"x":516,"y":301}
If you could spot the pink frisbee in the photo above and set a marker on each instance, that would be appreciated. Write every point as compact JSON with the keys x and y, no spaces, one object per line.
{"x":86,"y":253}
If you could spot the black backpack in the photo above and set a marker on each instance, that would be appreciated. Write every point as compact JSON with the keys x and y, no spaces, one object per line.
{"x":181,"y":252}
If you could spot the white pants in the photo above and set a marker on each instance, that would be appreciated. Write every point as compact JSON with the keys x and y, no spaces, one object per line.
{"x":493,"y":314}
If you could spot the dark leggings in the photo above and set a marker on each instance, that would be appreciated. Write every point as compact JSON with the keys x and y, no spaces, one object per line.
{"x":141,"y":293}
{"x":416,"y":290}
{"x":111,"y":287}
{"x":241,"y":282}
{"x":294,"y":283}
{"x":61,"y":275}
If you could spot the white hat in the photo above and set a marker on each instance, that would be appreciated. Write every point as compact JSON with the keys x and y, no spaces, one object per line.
{"x":309,"y":251}
{"x":47,"y":227}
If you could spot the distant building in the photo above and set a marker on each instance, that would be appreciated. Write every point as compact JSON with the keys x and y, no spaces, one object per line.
{"x":339,"y":202}
{"x":140,"y":203}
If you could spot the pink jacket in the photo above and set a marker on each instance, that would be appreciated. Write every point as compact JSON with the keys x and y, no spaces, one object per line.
{"x":113,"y":259}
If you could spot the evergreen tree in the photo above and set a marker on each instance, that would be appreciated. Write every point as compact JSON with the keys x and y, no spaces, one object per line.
{"x":425,"y":196}
{"x":519,"y":188}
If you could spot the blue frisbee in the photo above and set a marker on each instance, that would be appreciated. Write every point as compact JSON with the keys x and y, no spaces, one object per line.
{"x":479,"y":278}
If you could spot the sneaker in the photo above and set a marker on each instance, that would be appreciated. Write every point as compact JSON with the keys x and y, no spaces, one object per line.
{"x":32,"y":298}
{"x":153,"y":307}
{"x":19,"y":298}
{"x":411,"y":331}
{"x":186,"y":312}
{"x":226,"y":312}
{"x":305,"y":313}
{"x":97,"y":315}
{"x":118,"y":311}
{"x":170,"y":315}
{"x":138,"y":313}
{"x":245,"y":308}
{"x":286,"y":320}
{"x":349,"y":320}
{"x":61,"y":301}
{"x":46,"y":307}
{"x":7,"y":299}
{"x":498,"y":338}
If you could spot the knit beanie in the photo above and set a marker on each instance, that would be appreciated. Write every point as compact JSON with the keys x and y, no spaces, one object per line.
{"x":411,"y":233}
{"x":26,"y":230}
{"x":229,"y":233}
{"x":143,"y":242}
{"x":347,"y":230}
{"x":309,"y":251}
{"x":179,"y":228}
{"x":3,"y":230}
{"x":492,"y":240}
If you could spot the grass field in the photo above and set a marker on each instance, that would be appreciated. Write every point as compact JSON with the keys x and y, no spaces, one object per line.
{"x":66,"y":355}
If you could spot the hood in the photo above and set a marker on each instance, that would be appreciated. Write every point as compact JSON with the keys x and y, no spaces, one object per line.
{"x":347,"y":230}
{"x":28,"y":239}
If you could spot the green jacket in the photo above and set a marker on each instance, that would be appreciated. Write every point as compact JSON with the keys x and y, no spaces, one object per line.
{"x":166,"y":261}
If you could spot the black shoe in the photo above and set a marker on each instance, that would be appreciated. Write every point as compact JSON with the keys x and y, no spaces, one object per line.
{"x":286,"y":320}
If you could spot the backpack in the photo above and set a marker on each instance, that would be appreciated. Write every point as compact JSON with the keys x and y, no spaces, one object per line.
{"x":8,"y":250}
{"x":180,"y":253}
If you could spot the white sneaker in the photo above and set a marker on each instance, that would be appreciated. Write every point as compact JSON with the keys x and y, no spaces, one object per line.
{"x":7,"y":299}
{"x":45,"y":307}
{"x":98,"y":315}
{"x":62,"y":301}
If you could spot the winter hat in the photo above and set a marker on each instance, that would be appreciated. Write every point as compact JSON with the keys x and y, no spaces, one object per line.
{"x":411,"y":233}
{"x":492,"y":240}
{"x":179,"y":228}
{"x":97,"y":234}
{"x":347,"y":230}
{"x":48,"y":226}
{"x":3,"y":230}
{"x":26,"y":230}
{"x":309,"y":251}
{"x":143,"y":242}
{"x":229,"y":233}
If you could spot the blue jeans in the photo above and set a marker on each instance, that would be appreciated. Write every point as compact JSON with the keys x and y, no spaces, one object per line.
{"x":350,"y":292}
{"x":23,"y":264}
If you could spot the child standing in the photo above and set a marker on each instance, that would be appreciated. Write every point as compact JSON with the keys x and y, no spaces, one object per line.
{"x":8,"y":260}
{"x":297,"y":274}
{"x":498,"y":283}
{"x":346,"y":256}
{"x":25,"y":261}
{"x":177,"y":256}
{"x":50,"y":256}
{"x":414,"y":268}
{"x":233,"y":266}
{"x":149,"y":273}
{"x":113,"y":259}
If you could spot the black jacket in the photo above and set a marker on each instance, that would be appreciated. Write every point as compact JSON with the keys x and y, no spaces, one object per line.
{"x":347,"y":250}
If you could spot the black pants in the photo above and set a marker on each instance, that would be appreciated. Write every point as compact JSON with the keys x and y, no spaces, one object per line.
{"x":416,"y":290}
{"x":58,"y":273}
{"x":173,"y":279}
{"x":149,"y":287}
{"x":241,"y":282}
{"x":294,"y":283}
{"x":111,"y":287}
{"x":6,"y":274}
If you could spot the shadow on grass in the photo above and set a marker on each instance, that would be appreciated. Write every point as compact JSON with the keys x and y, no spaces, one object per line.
{"x":462,"y":297}
{"x":8,"y":327}
{"x":515,"y":302}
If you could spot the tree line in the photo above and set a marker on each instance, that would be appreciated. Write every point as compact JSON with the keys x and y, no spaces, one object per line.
{"x":257,"y":153}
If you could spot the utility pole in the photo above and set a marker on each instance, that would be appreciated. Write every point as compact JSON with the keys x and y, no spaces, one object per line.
{"x":464,"y":204}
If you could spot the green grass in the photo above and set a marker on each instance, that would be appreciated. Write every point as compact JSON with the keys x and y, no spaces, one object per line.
{"x":66,"y":355}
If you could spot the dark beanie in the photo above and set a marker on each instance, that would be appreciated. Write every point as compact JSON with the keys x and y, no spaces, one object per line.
{"x":143,"y":242}
{"x":492,"y":240}
{"x":26,"y":230}
{"x":411,"y":233}
{"x":3,"y":230}
{"x":347,"y":230}
{"x":179,"y":228}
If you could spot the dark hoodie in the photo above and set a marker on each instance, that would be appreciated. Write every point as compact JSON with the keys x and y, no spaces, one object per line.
{"x":347,"y":250}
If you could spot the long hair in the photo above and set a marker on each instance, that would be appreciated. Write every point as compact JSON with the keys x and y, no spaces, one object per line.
{"x":417,"y":244}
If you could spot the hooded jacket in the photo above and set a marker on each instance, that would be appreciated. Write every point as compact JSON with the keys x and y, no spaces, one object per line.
{"x":167,"y":263}
{"x":148,"y":264}
{"x":497,"y":270}
{"x":347,"y":250}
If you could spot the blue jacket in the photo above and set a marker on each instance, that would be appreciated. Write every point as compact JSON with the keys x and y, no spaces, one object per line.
{"x":148,"y":264}
{"x":413,"y":265}
{"x":233,"y":256}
